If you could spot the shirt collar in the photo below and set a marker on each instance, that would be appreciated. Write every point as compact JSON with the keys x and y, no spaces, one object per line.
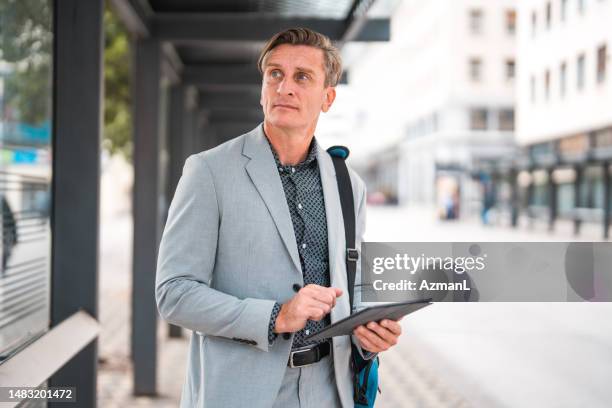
{"x":310,"y":157}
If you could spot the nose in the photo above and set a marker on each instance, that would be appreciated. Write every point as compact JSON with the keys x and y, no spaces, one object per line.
{"x":285,"y":87}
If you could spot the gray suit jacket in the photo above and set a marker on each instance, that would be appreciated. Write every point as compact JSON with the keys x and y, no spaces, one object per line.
{"x":228,"y":252}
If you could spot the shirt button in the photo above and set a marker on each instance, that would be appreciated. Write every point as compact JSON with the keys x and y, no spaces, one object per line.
{"x":293,"y":169}
{"x":303,"y":246}
{"x":299,"y":206}
{"x":307,"y":332}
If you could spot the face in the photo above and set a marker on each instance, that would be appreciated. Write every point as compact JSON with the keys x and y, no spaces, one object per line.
{"x":293,"y":91}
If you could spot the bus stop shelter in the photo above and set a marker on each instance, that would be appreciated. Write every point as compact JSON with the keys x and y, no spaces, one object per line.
{"x":195,"y":85}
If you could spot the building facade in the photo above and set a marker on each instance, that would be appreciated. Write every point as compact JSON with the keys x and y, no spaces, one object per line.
{"x":564,"y":120}
{"x":453,"y":68}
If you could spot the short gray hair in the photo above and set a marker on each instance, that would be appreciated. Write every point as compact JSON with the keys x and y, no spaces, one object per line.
{"x":306,"y":36}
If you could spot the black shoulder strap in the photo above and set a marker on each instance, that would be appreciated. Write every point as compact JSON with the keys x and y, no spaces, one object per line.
{"x":339,"y":155}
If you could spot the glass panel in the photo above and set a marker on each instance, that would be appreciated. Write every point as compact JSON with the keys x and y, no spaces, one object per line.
{"x":25,"y":170}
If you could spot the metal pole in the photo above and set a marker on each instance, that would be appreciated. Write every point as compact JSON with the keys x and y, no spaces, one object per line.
{"x":78,"y":50}
{"x":147,"y":220}
{"x":176,"y":152}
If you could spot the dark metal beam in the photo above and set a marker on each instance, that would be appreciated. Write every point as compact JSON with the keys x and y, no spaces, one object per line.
{"x":147,"y":220}
{"x":256,"y":27}
{"x":235,"y":75}
{"x":172,"y":66}
{"x":356,"y":20}
{"x":77,"y":65}
{"x":230,"y":100}
{"x":135,"y":15}
{"x":225,"y":131}
{"x":222,"y":115}
{"x":176,"y":148}
{"x":238,"y":74}
{"x":176,"y":158}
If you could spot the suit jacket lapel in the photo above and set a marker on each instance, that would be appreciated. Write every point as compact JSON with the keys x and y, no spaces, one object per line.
{"x":264,"y":174}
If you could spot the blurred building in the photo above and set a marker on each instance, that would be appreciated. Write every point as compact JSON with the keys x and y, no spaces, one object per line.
{"x":564,"y":120}
{"x":460,"y":79}
{"x":454,"y":69}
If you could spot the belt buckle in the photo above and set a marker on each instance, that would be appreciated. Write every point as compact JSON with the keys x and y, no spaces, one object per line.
{"x":299,"y":351}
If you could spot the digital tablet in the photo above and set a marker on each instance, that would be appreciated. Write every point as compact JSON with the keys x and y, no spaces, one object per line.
{"x":391,"y":311}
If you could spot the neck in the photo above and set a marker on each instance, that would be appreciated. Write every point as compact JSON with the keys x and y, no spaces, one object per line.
{"x":291,"y":145}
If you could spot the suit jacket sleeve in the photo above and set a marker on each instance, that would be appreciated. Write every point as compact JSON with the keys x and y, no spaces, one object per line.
{"x":186,"y":263}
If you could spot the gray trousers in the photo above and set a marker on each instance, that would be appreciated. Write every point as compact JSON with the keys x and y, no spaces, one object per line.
{"x":312,"y":386}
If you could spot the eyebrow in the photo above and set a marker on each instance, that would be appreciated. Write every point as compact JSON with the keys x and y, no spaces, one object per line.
{"x":307,"y":70}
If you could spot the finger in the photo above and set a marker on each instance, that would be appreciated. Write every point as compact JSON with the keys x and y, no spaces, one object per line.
{"x":338,"y":292}
{"x":313,"y":303}
{"x":325,"y":297}
{"x":373,"y":338}
{"x":388,"y":336}
{"x":316,"y":313}
{"x":366,"y":344}
{"x":321,"y":293}
{"x":393,"y":326}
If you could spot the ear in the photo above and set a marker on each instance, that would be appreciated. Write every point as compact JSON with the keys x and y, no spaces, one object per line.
{"x":330,"y":96}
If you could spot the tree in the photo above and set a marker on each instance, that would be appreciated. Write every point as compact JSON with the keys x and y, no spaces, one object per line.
{"x":117,"y":98}
{"x":26,"y":43}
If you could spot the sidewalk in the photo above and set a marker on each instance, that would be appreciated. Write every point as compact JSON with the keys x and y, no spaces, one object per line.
{"x":115,"y":369}
{"x":451,"y":355}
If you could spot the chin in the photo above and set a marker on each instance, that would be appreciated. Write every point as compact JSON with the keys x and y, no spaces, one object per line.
{"x":283,"y":121}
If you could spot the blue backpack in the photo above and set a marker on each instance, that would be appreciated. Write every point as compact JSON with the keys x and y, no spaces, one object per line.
{"x":365,"y":372}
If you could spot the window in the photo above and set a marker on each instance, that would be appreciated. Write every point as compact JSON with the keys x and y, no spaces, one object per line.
{"x":548,"y":15}
{"x":475,"y":69}
{"x":532,"y":87}
{"x":26,"y":174}
{"x":563,"y":10}
{"x":476,"y":21}
{"x":581,"y":6}
{"x":580,"y":71}
{"x":562,"y":79}
{"x":601,"y":63}
{"x":478,"y":119}
{"x":511,"y":22}
{"x":547,"y":84}
{"x":534,"y":23}
{"x":506,"y":119}
{"x":510,"y":70}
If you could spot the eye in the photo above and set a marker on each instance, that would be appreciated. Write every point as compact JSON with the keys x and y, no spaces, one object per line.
{"x":275,"y":74}
{"x":302,"y":76}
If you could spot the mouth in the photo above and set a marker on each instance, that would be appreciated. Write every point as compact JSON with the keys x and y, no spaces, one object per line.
{"x":280,"y":105}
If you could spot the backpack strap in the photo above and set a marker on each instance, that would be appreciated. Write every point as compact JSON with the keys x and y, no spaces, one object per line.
{"x":345,"y":188}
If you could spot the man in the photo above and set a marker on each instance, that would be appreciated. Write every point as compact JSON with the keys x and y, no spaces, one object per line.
{"x":252,"y":256}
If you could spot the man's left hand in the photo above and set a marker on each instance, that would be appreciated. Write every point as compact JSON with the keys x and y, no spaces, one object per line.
{"x":377,"y":337}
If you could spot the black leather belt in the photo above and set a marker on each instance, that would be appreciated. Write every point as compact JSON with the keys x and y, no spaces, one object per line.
{"x":308,"y":355}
